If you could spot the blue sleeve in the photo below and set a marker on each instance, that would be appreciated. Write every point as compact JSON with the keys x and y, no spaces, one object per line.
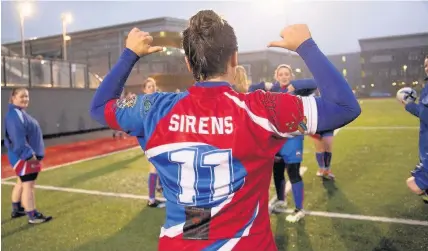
{"x":337,"y":105}
{"x":412,"y":108}
{"x":112,"y":85}
{"x":423,"y":111}
{"x":16,"y":133}
{"x":254,"y":87}
{"x":301,"y":84}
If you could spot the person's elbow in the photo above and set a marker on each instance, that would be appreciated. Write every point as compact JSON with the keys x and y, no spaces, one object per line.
{"x":96,"y":112}
{"x":353,"y":111}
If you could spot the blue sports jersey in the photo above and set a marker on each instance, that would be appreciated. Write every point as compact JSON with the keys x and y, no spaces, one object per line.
{"x":420,"y":110}
{"x":23,"y":138}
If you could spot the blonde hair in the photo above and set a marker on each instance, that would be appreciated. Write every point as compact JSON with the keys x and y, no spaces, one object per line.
{"x":148,"y":80}
{"x":275,"y":76}
{"x":15,"y":91}
{"x":241,"y":80}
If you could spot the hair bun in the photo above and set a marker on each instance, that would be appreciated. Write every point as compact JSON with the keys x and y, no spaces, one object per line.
{"x":204,"y":21}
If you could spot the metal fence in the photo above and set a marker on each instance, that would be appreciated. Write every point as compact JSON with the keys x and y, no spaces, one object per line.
{"x":30,"y":72}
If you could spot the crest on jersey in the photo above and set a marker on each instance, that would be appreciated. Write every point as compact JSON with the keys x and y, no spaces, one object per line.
{"x":147,"y":105}
{"x":127,"y":102}
{"x":302,"y":127}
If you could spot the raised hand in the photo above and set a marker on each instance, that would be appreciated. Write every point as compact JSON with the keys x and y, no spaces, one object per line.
{"x":292,"y":37}
{"x":140,"y":42}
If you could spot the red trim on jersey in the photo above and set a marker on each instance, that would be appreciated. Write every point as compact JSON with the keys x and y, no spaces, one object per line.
{"x":110,"y":114}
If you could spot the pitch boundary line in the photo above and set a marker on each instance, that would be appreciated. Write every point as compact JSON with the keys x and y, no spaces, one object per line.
{"x":380,"y":128}
{"x":79,"y":161}
{"x":288,"y":211}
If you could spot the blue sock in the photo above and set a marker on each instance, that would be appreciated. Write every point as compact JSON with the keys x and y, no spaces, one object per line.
{"x":16,"y":206}
{"x":327,"y":159}
{"x":320,"y":160}
{"x":32,"y":214}
{"x":159,"y":183}
{"x":152,"y":185}
{"x":298,"y":194}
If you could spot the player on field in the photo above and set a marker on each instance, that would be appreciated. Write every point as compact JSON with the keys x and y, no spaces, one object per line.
{"x":418,"y":183}
{"x":25,"y":149}
{"x":290,"y":156}
{"x":323,"y":153}
{"x":149,"y":87}
{"x":213,"y":147}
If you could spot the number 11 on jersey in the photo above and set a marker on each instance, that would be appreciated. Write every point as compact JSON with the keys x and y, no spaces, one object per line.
{"x":215,"y":186}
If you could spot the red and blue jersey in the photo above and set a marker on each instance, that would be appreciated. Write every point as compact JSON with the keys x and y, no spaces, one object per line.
{"x":211,"y":147}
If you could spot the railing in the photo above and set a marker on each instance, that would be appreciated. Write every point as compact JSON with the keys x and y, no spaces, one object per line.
{"x":30,"y":72}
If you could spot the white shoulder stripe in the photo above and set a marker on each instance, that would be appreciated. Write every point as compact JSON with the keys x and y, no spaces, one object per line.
{"x":20,"y":115}
{"x":311,"y":113}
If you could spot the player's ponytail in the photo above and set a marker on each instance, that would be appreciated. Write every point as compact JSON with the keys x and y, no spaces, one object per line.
{"x":208,"y":43}
{"x":241,"y":80}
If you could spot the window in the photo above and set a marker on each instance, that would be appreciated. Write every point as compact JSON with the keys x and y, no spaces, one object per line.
{"x":413,"y":56}
{"x":343,"y":58}
{"x":344,"y":72}
{"x":162,"y":34}
{"x":158,"y":67}
{"x":383,"y":73}
{"x":381,"y":58}
{"x":247,"y":68}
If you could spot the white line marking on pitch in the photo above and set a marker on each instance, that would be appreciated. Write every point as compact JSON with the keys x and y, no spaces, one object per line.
{"x":380,"y":128}
{"x":313,"y":213}
{"x":84,"y":191}
{"x":361,"y":217}
{"x":79,"y":161}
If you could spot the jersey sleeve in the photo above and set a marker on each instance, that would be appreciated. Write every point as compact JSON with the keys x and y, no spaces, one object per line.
{"x":17,"y":136}
{"x":289,"y":115}
{"x":301,"y":84}
{"x":128,"y":114}
{"x":423,"y":113}
{"x":413,"y":109}
{"x":254,"y":87}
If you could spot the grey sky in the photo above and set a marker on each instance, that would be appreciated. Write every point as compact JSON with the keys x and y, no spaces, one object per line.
{"x":336,"y":26}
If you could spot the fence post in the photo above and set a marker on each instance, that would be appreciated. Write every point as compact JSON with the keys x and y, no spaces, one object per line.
{"x":51,"y":71}
{"x":4,"y":70}
{"x":109,"y":61}
{"x":69,"y":72}
{"x":29,"y":72}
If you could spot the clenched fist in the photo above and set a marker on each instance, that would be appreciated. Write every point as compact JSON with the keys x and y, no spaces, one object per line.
{"x":140,"y":42}
{"x":292,"y":37}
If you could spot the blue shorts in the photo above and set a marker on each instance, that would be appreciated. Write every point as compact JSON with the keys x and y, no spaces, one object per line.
{"x":421,"y":175}
{"x":292,"y":151}
{"x":323,"y":134}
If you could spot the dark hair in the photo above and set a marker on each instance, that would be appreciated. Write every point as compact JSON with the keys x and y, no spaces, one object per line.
{"x":208,"y":43}
{"x":15,"y":91}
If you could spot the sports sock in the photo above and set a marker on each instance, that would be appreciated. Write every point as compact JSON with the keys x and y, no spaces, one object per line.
{"x":152,"y":185}
{"x":327,"y":159}
{"x":320,"y":160}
